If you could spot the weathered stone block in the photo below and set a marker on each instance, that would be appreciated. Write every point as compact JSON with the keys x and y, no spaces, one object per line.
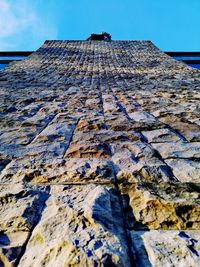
{"x":20,"y":211}
{"x":166,"y":248}
{"x":161,"y":206}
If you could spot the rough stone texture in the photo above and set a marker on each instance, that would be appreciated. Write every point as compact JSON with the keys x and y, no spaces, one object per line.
{"x":99,"y":157}
{"x":161,"y":206}
{"x":21,"y":209}
{"x":80,"y":225}
{"x":167,"y":248}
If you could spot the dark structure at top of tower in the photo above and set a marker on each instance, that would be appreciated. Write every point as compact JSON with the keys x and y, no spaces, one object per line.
{"x":104,"y":36}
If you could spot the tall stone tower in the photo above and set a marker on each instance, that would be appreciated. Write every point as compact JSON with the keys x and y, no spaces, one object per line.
{"x":99,"y":146}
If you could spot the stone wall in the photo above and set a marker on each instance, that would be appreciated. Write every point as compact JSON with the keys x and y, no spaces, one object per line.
{"x":99,"y":157}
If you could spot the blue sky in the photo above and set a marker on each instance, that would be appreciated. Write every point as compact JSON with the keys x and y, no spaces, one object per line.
{"x":173,"y":25}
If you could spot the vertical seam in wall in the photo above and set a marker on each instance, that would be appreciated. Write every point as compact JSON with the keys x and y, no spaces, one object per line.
{"x":71,"y":138}
{"x":128,"y":239}
{"x":31,"y":231}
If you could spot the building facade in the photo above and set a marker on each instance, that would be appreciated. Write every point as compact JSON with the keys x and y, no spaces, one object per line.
{"x":99,"y":146}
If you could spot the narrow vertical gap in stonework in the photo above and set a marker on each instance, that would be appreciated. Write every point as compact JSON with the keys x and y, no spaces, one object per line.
{"x":115,"y":62}
{"x":71,"y":138}
{"x":131,"y":253}
{"x":121,"y":107}
{"x":100,"y":82}
{"x":23,"y":250}
{"x":135,"y":255}
{"x":101,"y":96}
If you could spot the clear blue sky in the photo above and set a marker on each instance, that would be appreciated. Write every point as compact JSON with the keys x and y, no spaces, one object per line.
{"x":173,"y":25}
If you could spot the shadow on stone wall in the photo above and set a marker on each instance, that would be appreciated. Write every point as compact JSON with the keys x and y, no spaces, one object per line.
{"x":136,"y":242}
{"x":113,"y":220}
